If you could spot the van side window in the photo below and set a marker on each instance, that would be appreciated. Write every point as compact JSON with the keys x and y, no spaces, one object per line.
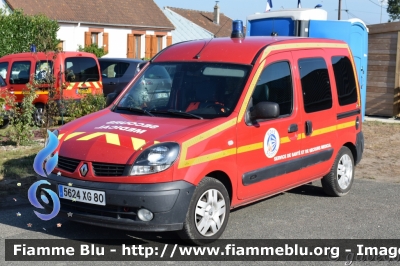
{"x":3,"y":69}
{"x":20,"y":72}
{"x":275,"y":85}
{"x":44,"y":71}
{"x":345,"y":80}
{"x":317,"y":94}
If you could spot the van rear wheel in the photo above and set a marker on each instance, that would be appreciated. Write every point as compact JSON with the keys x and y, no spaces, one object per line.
{"x":208,"y":213}
{"x":40,"y":116}
{"x":339,"y":180}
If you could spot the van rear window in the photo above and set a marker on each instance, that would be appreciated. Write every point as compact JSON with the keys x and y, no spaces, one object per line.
{"x":345,"y":80}
{"x":81,"y":69}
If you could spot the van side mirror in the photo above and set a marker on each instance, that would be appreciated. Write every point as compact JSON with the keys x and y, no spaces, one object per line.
{"x":110,"y":98}
{"x":264,"y":110}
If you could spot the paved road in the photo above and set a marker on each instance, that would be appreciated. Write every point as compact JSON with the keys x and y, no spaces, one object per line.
{"x":371,"y":210}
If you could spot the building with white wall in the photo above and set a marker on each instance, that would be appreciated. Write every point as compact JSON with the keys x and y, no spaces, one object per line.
{"x":133,"y":29}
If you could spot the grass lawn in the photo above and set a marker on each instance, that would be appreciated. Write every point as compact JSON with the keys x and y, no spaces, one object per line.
{"x":16,"y":165}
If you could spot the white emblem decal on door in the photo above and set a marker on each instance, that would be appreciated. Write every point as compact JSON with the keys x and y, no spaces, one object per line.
{"x":271,"y":142}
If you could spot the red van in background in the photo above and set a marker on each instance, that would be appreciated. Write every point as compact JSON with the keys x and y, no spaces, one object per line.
{"x":78,"y":72}
{"x":3,"y":106}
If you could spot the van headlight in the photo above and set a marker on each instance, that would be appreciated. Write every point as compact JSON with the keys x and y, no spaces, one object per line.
{"x":156,"y":158}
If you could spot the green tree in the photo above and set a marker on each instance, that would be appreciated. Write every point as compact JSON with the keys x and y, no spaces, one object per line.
{"x":393,"y":9}
{"x":94,"y":49}
{"x":19,"y":31}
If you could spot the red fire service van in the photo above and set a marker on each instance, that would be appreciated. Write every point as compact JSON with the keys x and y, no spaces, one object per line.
{"x":78,"y":72}
{"x":241,"y":119}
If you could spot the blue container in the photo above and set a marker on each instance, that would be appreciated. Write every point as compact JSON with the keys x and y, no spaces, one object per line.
{"x":312,"y":23}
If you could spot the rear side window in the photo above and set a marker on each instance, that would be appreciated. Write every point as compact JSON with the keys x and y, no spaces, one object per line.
{"x":3,"y":69}
{"x":2,"y":82}
{"x":20,"y":72}
{"x":345,"y":80}
{"x":275,"y":85}
{"x":317,"y":95}
{"x":113,"y":69}
{"x":81,"y":69}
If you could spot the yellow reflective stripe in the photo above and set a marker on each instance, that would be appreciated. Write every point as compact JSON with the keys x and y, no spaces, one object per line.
{"x":190,"y":142}
{"x":71,"y":85}
{"x":111,"y":138}
{"x":60,"y":136}
{"x":251,"y":147}
{"x":346,"y":125}
{"x":281,"y":47}
{"x":96,"y":85}
{"x":208,"y":157}
{"x":73,"y":135}
{"x":301,"y":136}
{"x":323,"y":130}
{"x":137,"y":143}
{"x":285,"y":140}
{"x":37,"y":92}
{"x":156,"y":142}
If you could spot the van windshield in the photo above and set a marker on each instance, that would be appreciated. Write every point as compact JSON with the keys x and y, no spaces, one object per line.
{"x":187,"y":90}
{"x":81,"y":69}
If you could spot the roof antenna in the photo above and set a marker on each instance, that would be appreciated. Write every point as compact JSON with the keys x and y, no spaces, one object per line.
{"x":204,"y":46}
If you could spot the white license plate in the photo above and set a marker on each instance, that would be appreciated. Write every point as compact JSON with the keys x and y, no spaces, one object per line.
{"x":82,"y":195}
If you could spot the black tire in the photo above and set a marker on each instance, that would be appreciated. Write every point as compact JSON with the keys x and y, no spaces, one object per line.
{"x":190,"y":232}
{"x":338,"y":182}
{"x":5,"y":123}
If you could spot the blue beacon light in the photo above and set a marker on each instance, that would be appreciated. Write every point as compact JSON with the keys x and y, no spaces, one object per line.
{"x":237,"y":29}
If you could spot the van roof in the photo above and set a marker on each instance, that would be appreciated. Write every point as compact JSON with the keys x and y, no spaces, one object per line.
{"x":45,"y":56}
{"x":228,"y":50}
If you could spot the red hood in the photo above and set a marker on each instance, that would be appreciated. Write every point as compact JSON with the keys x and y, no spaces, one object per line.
{"x":90,"y":142}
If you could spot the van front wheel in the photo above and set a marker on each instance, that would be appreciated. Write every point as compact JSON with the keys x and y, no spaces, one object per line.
{"x":208,"y":213}
{"x":339,"y":180}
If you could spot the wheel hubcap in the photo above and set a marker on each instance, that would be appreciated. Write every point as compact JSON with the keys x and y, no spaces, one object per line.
{"x":344,"y":171}
{"x":210,"y":212}
{"x":39,"y":116}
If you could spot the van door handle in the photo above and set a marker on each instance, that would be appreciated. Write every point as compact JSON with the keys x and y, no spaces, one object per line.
{"x":309,"y":128}
{"x":293,"y":128}
{"x":112,"y":83}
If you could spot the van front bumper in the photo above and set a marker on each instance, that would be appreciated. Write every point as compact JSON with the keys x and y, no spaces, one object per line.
{"x":169,"y":203}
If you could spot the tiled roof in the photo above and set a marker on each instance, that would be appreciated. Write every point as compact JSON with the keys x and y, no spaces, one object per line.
{"x":185,"y":29}
{"x":133,"y":13}
{"x":205,"y":20}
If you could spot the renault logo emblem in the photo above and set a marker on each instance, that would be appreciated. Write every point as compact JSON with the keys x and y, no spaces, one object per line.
{"x":84,"y":169}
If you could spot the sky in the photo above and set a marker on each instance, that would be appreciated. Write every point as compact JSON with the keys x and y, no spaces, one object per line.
{"x":369,"y":11}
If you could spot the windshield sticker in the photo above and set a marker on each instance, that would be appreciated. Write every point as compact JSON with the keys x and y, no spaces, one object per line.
{"x":271,"y":142}
{"x":302,"y":152}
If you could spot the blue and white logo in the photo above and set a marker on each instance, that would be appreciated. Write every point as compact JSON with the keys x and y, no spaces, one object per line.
{"x":43,"y":164}
{"x":271,"y":142}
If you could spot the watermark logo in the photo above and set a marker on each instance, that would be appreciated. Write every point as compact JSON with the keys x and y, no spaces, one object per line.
{"x":43,"y":164}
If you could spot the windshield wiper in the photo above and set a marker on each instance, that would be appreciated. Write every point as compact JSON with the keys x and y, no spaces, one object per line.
{"x":135,"y":110}
{"x":177,"y":112}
